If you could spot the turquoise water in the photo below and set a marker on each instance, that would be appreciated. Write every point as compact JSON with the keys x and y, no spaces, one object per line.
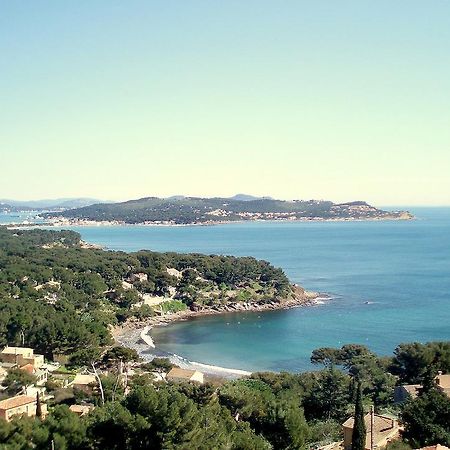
{"x":402,"y":269}
{"x":18,"y":217}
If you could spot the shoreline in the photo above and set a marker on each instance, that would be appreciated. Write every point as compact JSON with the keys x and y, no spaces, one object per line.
{"x":136,"y":334}
{"x":57,"y":222}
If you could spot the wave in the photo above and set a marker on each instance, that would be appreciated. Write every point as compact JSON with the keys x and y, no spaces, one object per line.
{"x":144,"y":344}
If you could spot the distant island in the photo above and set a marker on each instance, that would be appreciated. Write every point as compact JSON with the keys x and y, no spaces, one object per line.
{"x":58,"y":204}
{"x":9,"y":208}
{"x":181,"y":210}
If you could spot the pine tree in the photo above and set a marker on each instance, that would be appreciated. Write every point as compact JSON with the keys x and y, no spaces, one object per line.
{"x":359,"y":427}
{"x":38,"y":406}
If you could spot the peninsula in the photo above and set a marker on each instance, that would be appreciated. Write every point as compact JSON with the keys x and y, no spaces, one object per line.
{"x":63,"y":297}
{"x":192,"y":210}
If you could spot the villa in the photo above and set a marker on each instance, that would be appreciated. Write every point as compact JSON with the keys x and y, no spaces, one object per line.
{"x":443,"y":383}
{"x":407,"y":391}
{"x":81,"y":410}
{"x":15,"y":406}
{"x":84,"y":383}
{"x":385,"y":430}
{"x":21,"y":356}
{"x":177,"y":374}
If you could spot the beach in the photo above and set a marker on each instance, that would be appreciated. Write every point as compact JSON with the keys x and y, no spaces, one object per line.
{"x":136,"y":334}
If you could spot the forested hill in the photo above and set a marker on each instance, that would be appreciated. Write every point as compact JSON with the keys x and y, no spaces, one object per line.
{"x":8,"y":208}
{"x":61,"y":297}
{"x":188,"y":210}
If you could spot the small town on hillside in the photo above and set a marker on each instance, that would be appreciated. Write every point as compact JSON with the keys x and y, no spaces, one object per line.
{"x":23,"y":370}
{"x":40,"y":384}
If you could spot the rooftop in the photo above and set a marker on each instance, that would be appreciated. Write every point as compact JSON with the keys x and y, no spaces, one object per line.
{"x":14,"y":402}
{"x":28,"y":368}
{"x":84,"y":379}
{"x":176,"y":372}
{"x":443,"y":381}
{"x":17,"y":350}
{"x":81,"y":409}
{"x":384,"y":426}
{"x":435,"y":447}
{"x":412,"y":389}
{"x":8,"y":365}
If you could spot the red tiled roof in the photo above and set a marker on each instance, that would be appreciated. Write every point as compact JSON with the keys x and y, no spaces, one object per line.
{"x":28,"y":368}
{"x":14,"y":402}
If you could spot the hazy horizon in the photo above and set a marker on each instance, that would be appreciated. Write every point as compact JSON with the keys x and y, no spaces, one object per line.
{"x":123,"y":100}
{"x":385,"y":205}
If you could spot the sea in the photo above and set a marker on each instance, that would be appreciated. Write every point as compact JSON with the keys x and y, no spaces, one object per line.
{"x":387,"y":282}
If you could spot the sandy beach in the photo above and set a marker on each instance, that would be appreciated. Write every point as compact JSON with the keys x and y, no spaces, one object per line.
{"x":136,"y":334}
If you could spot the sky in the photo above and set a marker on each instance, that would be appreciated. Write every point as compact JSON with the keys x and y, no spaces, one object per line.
{"x":115,"y":100}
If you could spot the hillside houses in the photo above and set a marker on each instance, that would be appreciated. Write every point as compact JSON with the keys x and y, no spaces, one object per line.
{"x":407,"y":391}
{"x":18,"y":405}
{"x":385,"y":430}
{"x":21,"y":356}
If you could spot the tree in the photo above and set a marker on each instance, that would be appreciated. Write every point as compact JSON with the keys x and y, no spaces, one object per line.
{"x":412,"y":361}
{"x":328,"y":397}
{"x":39,"y":414}
{"x":327,"y":356}
{"x":427,"y":419}
{"x":120,"y":353}
{"x":16,"y":380}
{"x":65,"y":428}
{"x":285,"y":426}
{"x":359,"y":426}
{"x":158,"y":365}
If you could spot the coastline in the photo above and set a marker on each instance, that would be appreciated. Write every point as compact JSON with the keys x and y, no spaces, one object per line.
{"x":58,"y":222}
{"x":136,"y":334}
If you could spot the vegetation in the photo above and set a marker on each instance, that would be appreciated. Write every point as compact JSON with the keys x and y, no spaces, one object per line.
{"x":427,"y":419}
{"x":185,"y":210}
{"x":60,"y":298}
{"x":16,"y":379}
{"x":264,"y":411}
{"x":359,"y":426}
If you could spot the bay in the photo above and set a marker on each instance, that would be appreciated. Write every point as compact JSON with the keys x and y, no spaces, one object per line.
{"x":389,"y":282}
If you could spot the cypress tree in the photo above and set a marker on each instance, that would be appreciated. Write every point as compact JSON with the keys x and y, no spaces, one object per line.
{"x":38,"y":406}
{"x":359,"y":427}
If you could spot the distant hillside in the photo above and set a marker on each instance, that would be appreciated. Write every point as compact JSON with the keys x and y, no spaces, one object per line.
{"x":192,"y":210}
{"x":7,"y":207}
{"x":247,"y":198}
{"x":56,"y":204}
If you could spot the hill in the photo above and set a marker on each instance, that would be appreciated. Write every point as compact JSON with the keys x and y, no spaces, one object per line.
{"x":194,"y":210}
{"x":54,"y":204}
{"x":61,"y":287}
{"x":8,"y":208}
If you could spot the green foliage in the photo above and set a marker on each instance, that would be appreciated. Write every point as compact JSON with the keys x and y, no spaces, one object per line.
{"x":398,"y":445}
{"x":119,"y":353}
{"x":16,"y":379}
{"x":359,"y":426}
{"x":158,"y":365}
{"x":361,"y":363}
{"x":198,"y":210}
{"x":412,"y":361}
{"x":328,"y":398}
{"x":325,"y":432}
{"x":172,"y":306}
{"x":427,"y":419}
{"x":61,"y":299}
{"x":281,"y":421}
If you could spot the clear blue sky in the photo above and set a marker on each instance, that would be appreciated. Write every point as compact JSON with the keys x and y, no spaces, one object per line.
{"x":339,"y":100}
